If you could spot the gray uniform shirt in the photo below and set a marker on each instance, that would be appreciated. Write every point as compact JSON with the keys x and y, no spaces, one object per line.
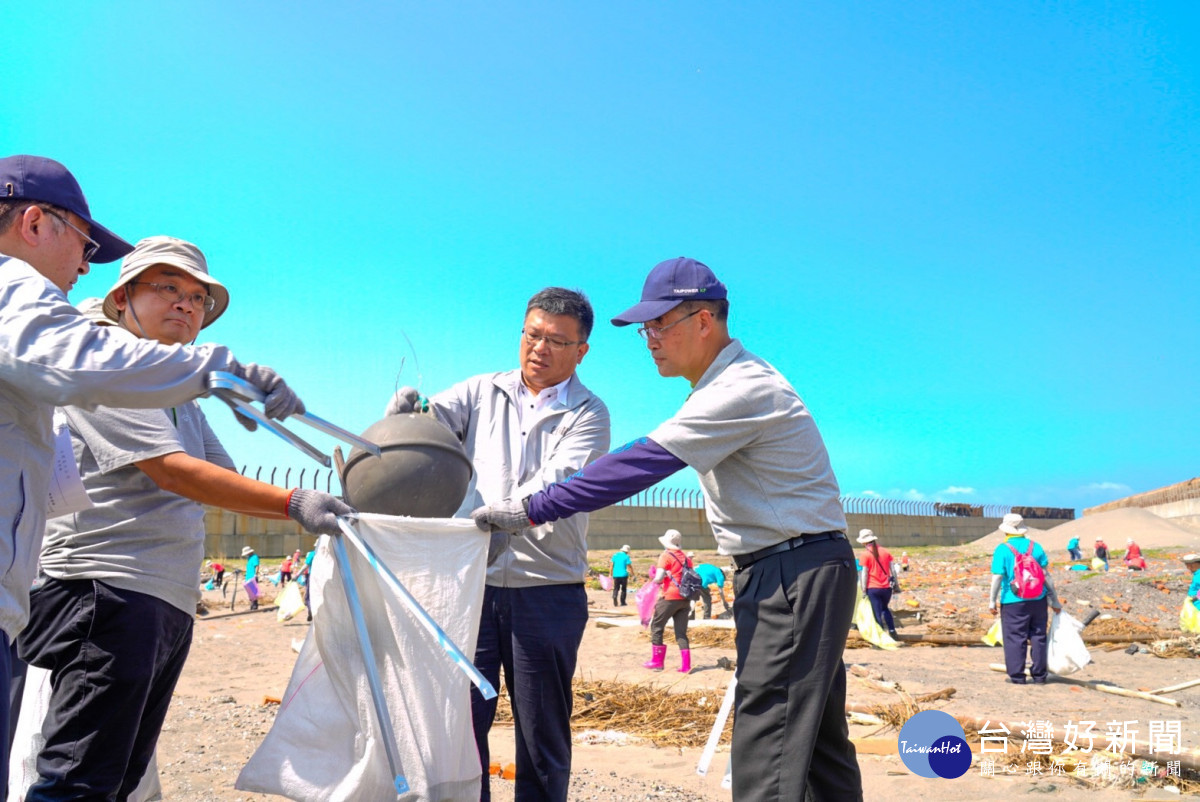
{"x":137,"y":537}
{"x":50,"y":354}
{"x":763,"y":467}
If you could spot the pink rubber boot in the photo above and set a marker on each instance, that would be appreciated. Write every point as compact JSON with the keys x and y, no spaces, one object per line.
{"x":657,"y":654}
{"x":685,"y":661}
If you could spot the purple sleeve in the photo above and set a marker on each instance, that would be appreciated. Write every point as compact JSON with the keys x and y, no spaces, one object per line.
{"x":614,"y":477}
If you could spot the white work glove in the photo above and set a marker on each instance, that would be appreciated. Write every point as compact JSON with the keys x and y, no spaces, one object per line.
{"x":404,"y":400}
{"x":280,"y":401}
{"x":509,"y":515}
{"x":317,"y":512}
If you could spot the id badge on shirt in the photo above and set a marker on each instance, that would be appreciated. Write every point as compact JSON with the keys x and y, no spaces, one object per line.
{"x":67,"y":494}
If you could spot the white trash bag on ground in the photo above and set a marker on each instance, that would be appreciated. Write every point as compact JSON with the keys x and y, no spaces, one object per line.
{"x":28,"y":741}
{"x":325,"y":743}
{"x":1067,"y":651}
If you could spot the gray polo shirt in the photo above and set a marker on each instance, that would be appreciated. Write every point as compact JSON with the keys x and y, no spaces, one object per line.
{"x":136,"y":537}
{"x":763,"y":466}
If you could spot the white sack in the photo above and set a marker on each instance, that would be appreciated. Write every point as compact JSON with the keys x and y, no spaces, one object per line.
{"x":28,"y":741}
{"x":1067,"y":651}
{"x":325,"y":742}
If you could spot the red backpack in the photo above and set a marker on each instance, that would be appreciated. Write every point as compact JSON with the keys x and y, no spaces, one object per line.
{"x":1029,"y":578}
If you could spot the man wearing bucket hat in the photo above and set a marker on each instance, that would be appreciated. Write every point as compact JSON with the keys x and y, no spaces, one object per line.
{"x":772,"y":501}
{"x":50,"y":354}
{"x":1022,"y":619}
{"x":111,"y":616}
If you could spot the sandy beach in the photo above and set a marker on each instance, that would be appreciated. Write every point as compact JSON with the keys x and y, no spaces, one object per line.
{"x":240,"y":664}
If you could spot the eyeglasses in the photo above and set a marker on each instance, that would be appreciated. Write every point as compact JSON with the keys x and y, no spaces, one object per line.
{"x":656,"y":332}
{"x":90,"y":245}
{"x":173,"y":294}
{"x":553,"y":344}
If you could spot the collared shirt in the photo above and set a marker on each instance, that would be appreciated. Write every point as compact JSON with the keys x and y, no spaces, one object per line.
{"x":762,"y":463}
{"x":50,"y":354}
{"x":137,"y":536}
{"x":530,"y":410}
{"x":565,"y":435}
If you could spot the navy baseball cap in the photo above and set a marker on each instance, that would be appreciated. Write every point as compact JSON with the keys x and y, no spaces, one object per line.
{"x":36,"y":178}
{"x":669,"y":284}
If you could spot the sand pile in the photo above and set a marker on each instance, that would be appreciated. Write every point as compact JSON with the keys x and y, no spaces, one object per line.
{"x":1149,"y":530}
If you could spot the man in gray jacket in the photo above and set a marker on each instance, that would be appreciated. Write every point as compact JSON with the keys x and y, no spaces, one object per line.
{"x":526,"y":429}
{"x":50,"y":354}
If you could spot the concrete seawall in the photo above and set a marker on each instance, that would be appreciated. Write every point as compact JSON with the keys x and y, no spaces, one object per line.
{"x":613,"y":527}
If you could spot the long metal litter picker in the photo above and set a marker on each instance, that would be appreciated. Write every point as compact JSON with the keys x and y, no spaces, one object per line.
{"x":239,"y":394}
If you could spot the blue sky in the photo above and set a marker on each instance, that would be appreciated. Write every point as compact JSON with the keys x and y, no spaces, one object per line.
{"x":966,"y":232}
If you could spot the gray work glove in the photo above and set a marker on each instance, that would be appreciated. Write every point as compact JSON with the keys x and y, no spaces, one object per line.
{"x":250,"y":424}
{"x":509,"y":515}
{"x":317,"y":512}
{"x":498,"y":545}
{"x":403,"y":401}
{"x":280,"y":401}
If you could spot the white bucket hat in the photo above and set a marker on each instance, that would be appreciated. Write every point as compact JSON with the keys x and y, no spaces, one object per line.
{"x":160,"y":250}
{"x":866,"y":536}
{"x":671,"y":539}
{"x":93,"y":310}
{"x":247,"y":550}
{"x":625,"y":548}
{"x":1011,"y":525}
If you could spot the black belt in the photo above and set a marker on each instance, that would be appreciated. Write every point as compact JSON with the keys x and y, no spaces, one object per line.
{"x":746,"y":560}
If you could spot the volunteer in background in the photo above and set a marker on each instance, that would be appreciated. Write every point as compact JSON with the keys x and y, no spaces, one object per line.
{"x":1102,"y":552}
{"x":50,"y":354}
{"x":111,"y":616}
{"x":711,"y":575}
{"x":772,"y":501}
{"x":1023,"y":621}
{"x":619,"y":567}
{"x":523,"y":430}
{"x":1192,"y":563}
{"x":252,"y":563}
{"x":1073,"y":549}
{"x":1133,"y":556}
{"x":670,"y":605}
{"x":877,"y":578}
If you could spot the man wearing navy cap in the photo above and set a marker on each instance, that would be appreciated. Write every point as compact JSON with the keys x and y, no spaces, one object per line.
{"x":51,"y":355}
{"x":772,"y":501}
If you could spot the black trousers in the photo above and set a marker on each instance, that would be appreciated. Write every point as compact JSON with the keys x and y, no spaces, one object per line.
{"x":620,"y":585}
{"x":534,"y":635}
{"x":114,"y":657}
{"x":790,"y":738}
{"x":1023,"y":623}
{"x":675,"y":610}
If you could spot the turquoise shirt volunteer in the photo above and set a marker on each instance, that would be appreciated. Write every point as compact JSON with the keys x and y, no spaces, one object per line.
{"x":1194,"y":589}
{"x":1004,"y":563}
{"x":620,"y":565}
{"x":710,"y":574}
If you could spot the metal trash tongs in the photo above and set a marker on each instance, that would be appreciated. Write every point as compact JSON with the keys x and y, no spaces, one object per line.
{"x":239,"y":393}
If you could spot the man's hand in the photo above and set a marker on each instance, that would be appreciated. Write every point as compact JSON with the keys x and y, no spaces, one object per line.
{"x":404,"y":400}
{"x":280,"y":401}
{"x":992,"y":609}
{"x":317,"y":512}
{"x":509,"y":515}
